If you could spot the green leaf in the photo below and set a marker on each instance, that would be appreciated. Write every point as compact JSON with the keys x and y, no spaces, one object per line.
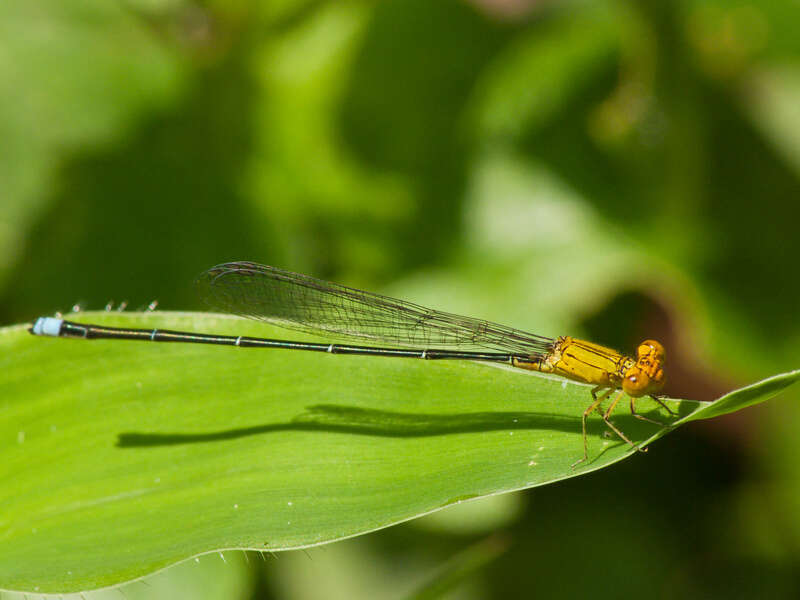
{"x":746,"y":396}
{"x":120,"y":458}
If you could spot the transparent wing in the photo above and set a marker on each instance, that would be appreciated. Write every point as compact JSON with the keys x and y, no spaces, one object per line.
{"x":307,"y":304}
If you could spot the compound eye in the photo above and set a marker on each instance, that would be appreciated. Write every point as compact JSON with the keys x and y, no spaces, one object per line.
{"x":652,"y":349}
{"x":636,"y":384}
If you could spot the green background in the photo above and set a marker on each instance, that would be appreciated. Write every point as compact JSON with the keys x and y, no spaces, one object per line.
{"x":611,"y":170}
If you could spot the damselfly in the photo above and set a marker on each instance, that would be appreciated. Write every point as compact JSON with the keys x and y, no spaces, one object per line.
{"x":300,"y":302}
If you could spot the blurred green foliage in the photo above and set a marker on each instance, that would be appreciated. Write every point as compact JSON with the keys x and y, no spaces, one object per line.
{"x":610,"y":169}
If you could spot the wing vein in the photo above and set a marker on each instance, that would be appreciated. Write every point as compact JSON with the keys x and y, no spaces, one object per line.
{"x":303,"y":303}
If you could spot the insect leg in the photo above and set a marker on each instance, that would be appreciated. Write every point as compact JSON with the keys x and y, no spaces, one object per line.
{"x":642,"y":417}
{"x":596,"y":401}
{"x":667,"y":408}
{"x":614,"y":427}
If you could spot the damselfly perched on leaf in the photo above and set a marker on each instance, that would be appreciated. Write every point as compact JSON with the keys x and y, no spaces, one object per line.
{"x":303,"y":303}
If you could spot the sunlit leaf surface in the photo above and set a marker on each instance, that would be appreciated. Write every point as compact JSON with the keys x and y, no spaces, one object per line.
{"x":120,"y":458}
